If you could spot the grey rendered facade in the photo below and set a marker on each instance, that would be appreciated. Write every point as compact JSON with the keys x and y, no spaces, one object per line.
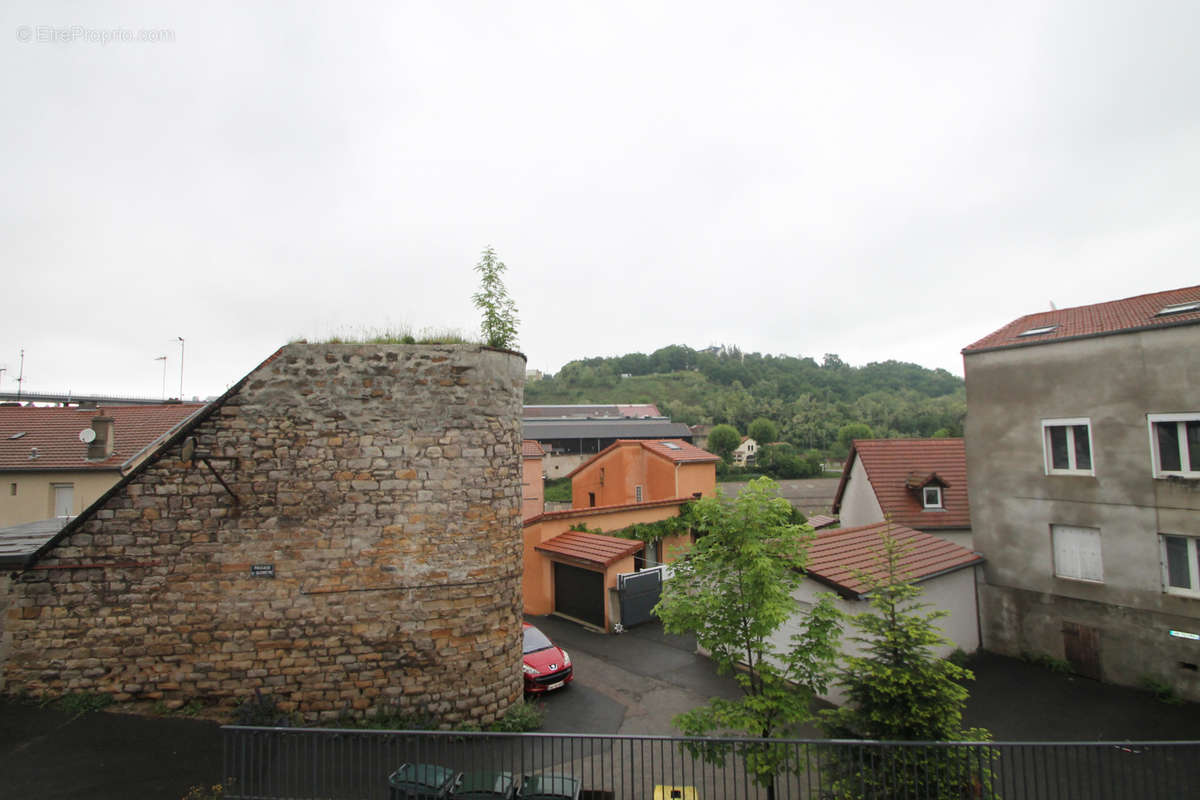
{"x":1076,"y":556}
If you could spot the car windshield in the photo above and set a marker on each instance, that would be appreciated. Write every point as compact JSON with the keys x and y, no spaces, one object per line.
{"x":536,"y":640}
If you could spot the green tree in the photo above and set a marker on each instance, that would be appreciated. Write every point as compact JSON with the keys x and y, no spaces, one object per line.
{"x":763,"y":431}
{"x":733,"y":592}
{"x":848,"y":433}
{"x":499,"y":324}
{"x":723,"y":440}
{"x":900,"y":690}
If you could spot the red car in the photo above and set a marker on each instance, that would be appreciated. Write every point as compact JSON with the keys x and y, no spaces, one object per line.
{"x":546,"y":665}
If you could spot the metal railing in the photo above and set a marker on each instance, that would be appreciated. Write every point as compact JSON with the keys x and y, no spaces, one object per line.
{"x":356,"y":764}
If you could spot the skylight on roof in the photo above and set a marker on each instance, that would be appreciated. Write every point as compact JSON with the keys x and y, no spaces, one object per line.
{"x":17,"y":435}
{"x":670,"y":445}
{"x":1179,"y":308}
{"x":1038,"y":331}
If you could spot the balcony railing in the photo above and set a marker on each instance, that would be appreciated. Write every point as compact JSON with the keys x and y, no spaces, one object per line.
{"x":322,"y":763}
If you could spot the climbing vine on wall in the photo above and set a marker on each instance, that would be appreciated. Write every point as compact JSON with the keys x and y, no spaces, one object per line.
{"x":649,"y":532}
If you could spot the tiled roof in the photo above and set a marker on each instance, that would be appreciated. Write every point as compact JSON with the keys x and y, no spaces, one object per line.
{"x":676,"y":450}
{"x":892,"y":464}
{"x":1100,"y":319}
{"x":604,"y":410}
{"x":591,"y":511}
{"x":819,"y":521}
{"x":531,"y":448}
{"x":593,"y":548}
{"x":55,"y":434}
{"x":837,"y":557}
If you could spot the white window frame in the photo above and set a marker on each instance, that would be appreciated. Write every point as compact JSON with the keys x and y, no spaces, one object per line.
{"x":1072,"y":561}
{"x":937,"y":490}
{"x":1047,"y":451}
{"x":1184,"y":471}
{"x":1193,"y":564}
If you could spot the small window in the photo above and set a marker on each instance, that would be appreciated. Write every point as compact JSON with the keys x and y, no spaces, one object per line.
{"x":1175,"y":444}
{"x":1180,"y":565}
{"x":1077,"y":553}
{"x":1067,"y":445}
{"x":12,"y":489}
{"x":637,"y":494}
{"x":1039,"y":331}
{"x":1179,"y":308}
{"x":591,"y":499}
{"x":931,"y":496}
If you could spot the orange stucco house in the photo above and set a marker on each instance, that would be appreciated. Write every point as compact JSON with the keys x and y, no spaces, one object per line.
{"x":533,"y":486}
{"x":576,"y":573}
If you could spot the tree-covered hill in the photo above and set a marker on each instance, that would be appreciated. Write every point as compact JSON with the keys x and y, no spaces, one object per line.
{"x":809,"y":401}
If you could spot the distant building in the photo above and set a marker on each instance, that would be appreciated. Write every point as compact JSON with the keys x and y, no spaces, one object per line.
{"x":569,"y":441}
{"x":746,"y":453}
{"x":533,"y":484}
{"x":55,"y":462}
{"x":919,"y":483}
{"x":1083,"y":456}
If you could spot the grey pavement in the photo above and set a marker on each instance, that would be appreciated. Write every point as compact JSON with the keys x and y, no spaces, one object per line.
{"x":810,"y":495}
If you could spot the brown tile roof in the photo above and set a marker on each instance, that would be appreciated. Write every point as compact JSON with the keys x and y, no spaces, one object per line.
{"x":591,"y":511}
{"x":676,"y":450}
{"x":819,"y":521}
{"x":1099,"y":319}
{"x":532,"y":448}
{"x":893,"y":464}
{"x":837,"y":557}
{"x":55,"y":434}
{"x":593,"y":548}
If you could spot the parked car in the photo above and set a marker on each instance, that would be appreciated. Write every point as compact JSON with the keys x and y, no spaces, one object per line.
{"x":546,"y":665}
{"x":484,"y":786}
{"x":421,"y":782}
{"x":549,"y":786}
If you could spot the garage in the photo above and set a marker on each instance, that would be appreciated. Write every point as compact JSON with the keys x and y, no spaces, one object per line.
{"x":579,"y":593}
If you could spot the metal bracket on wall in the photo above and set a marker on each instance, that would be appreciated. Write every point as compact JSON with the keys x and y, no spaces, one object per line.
{"x":220,"y":480}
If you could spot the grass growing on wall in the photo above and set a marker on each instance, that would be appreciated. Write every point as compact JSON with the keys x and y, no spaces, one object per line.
{"x":398,"y":334}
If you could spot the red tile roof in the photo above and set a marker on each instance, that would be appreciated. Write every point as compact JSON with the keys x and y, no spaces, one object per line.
{"x":819,"y":521}
{"x":892,"y":464}
{"x":55,"y":434}
{"x":1100,"y":319}
{"x":532,"y":448}
{"x":591,"y":511}
{"x":593,"y":548}
{"x":838,"y":557}
{"x":676,"y":450}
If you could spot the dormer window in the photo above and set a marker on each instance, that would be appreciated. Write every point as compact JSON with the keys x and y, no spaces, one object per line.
{"x":931,"y":496}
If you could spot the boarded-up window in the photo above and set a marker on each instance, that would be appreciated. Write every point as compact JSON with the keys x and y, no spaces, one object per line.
{"x":1077,"y":553}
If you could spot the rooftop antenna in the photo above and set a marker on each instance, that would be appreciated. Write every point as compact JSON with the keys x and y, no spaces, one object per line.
{"x":180,"y":338}
{"x":164,"y":382}
{"x":21,"y":375}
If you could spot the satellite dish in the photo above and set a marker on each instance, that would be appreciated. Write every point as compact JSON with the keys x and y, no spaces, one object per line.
{"x":87,"y":436}
{"x":189,"y":448}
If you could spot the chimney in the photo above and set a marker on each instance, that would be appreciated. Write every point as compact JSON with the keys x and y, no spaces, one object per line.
{"x":101,"y":447}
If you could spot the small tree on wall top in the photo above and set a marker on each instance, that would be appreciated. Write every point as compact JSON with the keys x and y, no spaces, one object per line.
{"x":499,"y":323}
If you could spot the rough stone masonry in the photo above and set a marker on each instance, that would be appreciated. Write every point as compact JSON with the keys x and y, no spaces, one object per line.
{"x":341,"y":531}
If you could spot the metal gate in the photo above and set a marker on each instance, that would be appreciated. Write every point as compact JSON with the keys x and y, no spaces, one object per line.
{"x":639,"y":593}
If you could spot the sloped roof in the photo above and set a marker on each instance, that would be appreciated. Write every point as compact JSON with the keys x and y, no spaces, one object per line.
{"x":892,"y":464}
{"x":593,"y":511}
{"x":837,"y":557}
{"x":1099,"y":319}
{"x":55,"y":434}
{"x":613,"y":428}
{"x":819,"y":521}
{"x":600,"y":410}
{"x":19,"y":542}
{"x":531,"y":448}
{"x":593,"y":548}
{"x":675,"y":450}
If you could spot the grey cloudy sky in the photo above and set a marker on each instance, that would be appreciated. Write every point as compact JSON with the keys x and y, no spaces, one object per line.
{"x":879,"y":180}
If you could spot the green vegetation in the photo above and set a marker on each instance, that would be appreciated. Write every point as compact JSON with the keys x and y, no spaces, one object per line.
{"x":499,"y":324}
{"x":898,"y":690}
{"x":1162,"y":691}
{"x":80,"y":703}
{"x":723,"y":440}
{"x":1047,"y":661}
{"x":214,"y":792}
{"x":734,"y":591}
{"x":521,"y":717}
{"x":763,"y":431}
{"x":393,"y":335}
{"x":809,"y":402}
{"x":558,"y":490}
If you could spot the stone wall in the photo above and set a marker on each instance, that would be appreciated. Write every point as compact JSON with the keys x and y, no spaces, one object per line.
{"x":365,"y":555}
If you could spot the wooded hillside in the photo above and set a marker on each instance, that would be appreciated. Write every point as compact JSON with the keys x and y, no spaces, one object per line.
{"x":809,"y":401}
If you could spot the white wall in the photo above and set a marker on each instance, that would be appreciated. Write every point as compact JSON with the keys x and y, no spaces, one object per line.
{"x":859,"y":505}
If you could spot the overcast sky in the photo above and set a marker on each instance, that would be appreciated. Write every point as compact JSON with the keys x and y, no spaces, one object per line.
{"x":879,"y":180}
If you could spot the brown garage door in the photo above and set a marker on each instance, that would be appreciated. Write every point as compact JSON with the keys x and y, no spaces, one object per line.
{"x":579,"y":593}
